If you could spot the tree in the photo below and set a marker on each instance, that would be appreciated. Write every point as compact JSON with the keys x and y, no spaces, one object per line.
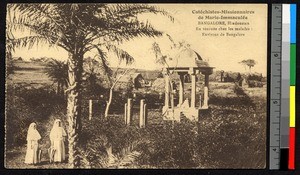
{"x":92,"y":71}
{"x":9,"y":48}
{"x":58,"y":72}
{"x":10,"y":66}
{"x":113,"y":81}
{"x":79,"y":28}
{"x":249,"y":62}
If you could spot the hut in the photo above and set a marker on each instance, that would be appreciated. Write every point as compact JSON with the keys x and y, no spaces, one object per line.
{"x":136,"y":79}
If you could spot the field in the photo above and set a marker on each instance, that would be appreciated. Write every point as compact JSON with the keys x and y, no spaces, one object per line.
{"x":230,"y":134}
{"x":29,"y":74}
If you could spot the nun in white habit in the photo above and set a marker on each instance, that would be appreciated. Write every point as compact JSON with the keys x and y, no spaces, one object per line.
{"x":33,"y":151}
{"x":57,"y":138}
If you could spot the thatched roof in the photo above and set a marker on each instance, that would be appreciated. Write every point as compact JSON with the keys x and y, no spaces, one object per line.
{"x":132,"y":76}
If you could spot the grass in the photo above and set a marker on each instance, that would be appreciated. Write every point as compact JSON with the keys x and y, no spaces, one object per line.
{"x":231,"y":134}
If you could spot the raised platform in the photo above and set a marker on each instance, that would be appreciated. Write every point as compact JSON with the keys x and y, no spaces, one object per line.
{"x":176,"y":113}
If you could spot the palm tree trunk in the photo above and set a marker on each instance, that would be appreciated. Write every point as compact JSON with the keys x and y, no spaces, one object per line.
{"x":75,"y":62}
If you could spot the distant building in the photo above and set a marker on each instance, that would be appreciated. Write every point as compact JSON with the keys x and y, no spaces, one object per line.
{"x":136,"y":79}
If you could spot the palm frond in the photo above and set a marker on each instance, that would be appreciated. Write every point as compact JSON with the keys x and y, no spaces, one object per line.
{"x":122,"y":30}
{"x":38,"y":20}
{"x":119,"y":22}
{"x":121,"y":54}
{"x":57,"y":71}
{"x":27,"y":41}
{"x":104,"y":62}
{"x":126,"y":160}
{"x":132,"y":10}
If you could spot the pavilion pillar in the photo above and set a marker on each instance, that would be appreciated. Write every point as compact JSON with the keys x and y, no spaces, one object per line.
{"x":193,"y":94}
{"x":181,"y":89}
{"x":206,"y":80}
{"x":205,"y":99}
{"x":167,"y":91}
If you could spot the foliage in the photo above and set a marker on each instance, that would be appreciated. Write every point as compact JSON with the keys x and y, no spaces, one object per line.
{"x":100,"y":134}
{"x":58,"y":72}
{"x":257,"y":77}
{"x":8,"y":56}
{"x":161,"y":58}
{"x":10,"y":67}
{"x":174,"y":146}
{"x":255,"y":80}
{"x":79,"y":28}
{"x":254,"y":83}
{"x":92,"y":73}
{"x":231,"y":134}
{"x":24,"y":106}
{"x":249,"y":62}
{"x":95,"y":26}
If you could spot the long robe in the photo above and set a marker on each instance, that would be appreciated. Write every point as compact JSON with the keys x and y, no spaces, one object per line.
{"x":57,"y":136}
{"x":33,"y":152}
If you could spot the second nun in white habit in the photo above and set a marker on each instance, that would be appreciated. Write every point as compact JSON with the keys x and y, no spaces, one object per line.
{"x":57,"y":138}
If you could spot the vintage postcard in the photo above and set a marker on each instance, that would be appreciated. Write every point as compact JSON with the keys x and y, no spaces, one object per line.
{"x":136,"y":86}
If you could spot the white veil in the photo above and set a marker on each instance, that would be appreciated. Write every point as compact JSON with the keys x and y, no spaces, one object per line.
{"x":57,"y":132}
{"x":32,"y":133}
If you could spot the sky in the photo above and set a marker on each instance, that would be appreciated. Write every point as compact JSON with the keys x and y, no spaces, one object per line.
{"x":223,"y":53}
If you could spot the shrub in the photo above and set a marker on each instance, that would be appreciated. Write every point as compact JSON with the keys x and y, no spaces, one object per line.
{"x":256,"y":77}
{"x":170,"y":146}
{"x":27,"y":105}
{"x":254,"y":83}
{"x":100,"y":134}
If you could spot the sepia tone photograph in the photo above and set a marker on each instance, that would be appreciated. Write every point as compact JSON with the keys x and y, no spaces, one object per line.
{"x":136,"y":86}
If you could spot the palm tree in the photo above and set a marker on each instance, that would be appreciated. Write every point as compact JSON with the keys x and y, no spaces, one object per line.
{"x":58,"y":72}
{"x":79,"y":28}
{"x":9,"y":48}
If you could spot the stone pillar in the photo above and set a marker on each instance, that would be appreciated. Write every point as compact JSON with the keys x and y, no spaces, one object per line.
{"x":167,"y":91}
{"x":142,"y":114}
{"x":125,"y":113}
{"x":200,"y":101}
{"x":129,"y":114}
{"x":181,"y":89}
{"x":205,"y":100}
{"x":193,"y":93}
{"x":206,"y":80}
{"x":172,"y":99}
{"x":90,"y":109}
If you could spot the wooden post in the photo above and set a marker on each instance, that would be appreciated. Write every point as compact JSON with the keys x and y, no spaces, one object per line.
{"x":125,"y":113}
{"x":142,"y":114}
{"x":172,"y":99}
{"x":145,"y":115}
{"x":181,"y":89}
{"x":129,"y":112}
{"x":90,"y":109}
{"x":167,"y":91}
